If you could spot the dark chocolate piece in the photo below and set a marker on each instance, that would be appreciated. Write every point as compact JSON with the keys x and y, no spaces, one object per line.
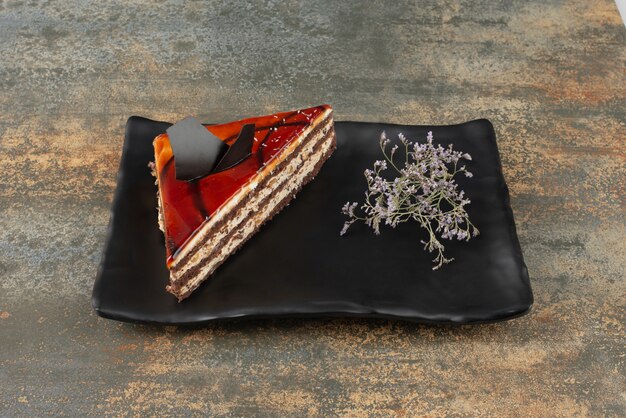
{"x":196,"y":150}
{"x":239,"y":150}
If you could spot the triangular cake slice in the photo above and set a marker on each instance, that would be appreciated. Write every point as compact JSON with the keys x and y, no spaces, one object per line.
{"x":207,"y":219}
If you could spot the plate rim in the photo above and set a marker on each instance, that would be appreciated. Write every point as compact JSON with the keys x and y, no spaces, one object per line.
{"x":365,"y":314}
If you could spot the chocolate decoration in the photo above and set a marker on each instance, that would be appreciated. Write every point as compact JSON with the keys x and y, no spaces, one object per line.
{"x":196,"y":150}
{"x":239,"y":151}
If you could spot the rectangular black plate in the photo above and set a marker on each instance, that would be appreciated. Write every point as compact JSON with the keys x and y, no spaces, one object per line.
{"x":297,"y":265}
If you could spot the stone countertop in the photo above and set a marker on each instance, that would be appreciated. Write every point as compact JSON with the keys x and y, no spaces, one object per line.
{"x":550,"y":75}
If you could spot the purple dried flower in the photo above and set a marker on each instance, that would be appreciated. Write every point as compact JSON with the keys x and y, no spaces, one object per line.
{"x":345,"y":227}
{"x":348,"y":209}
{"x":380,"y":165}
{"x":423,"y":183}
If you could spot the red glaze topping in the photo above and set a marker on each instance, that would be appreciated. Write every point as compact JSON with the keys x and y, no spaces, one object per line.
{"x":186,"y":205}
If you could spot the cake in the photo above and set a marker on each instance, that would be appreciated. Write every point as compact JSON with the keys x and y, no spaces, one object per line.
{"x":208,"y":214}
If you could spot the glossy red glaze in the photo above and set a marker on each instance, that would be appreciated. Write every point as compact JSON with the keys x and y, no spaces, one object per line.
{"x":187,"y":205}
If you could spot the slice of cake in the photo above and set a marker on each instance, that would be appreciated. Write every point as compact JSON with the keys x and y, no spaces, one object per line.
{"x":207,"y":210}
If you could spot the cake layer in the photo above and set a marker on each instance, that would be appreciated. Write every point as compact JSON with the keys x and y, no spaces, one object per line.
{"x":293,"y":179}
{"x":227,"y":211}
{"x":187,"y":205}
{"x":217,"y":229}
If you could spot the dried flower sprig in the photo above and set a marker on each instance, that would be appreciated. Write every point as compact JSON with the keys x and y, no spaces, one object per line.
{"x":424,"y":190}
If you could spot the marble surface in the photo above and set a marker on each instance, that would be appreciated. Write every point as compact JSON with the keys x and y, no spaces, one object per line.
{"x":550,"y":75}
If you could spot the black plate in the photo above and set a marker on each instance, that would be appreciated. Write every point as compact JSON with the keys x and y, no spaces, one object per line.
{"x":297,"y":265}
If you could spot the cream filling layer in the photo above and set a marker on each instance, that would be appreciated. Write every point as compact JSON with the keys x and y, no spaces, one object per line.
{"x":232,"y":203}
{"x":249,"y":227}
{"x":253,"y":206}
